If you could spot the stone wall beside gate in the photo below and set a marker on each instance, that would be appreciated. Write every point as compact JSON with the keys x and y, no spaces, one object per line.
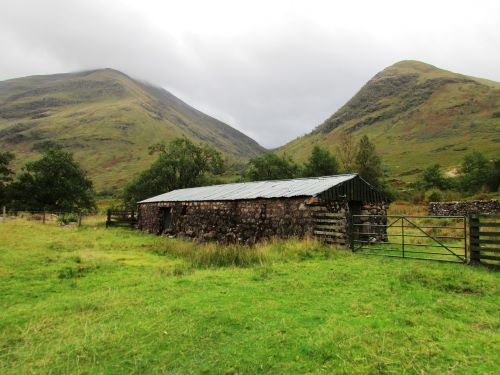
{"x":464,"y":208}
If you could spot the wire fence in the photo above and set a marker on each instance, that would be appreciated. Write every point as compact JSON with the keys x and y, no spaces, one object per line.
{"x":56,"y":218}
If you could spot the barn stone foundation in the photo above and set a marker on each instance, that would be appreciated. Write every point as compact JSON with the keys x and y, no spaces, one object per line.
{"x":245,"y":221}
{"x":248,"y":221}
{"x":464,"y":208}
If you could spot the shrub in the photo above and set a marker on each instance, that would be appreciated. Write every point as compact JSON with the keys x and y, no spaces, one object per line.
{"x":435,"y":196}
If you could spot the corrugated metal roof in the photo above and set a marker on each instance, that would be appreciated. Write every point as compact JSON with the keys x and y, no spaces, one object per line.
{"x":253,"y":190}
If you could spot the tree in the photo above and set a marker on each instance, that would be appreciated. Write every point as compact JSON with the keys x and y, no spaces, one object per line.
{"x":347,"y":151}
{"x":321,"y":163}
{"x":55,"y":182}
{"x":432,"y":177}
{"x":272,"y":167}
{"x":6,"y":173}
{"x":180,"y":164}
{"x":477,"y":172}
{"x":368,"y":163}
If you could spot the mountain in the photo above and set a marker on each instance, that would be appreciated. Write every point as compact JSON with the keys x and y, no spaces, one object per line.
{"x":417,"y":115}
{"x":107,"y":120}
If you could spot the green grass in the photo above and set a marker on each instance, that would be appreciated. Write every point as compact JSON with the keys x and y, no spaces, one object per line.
{"x":91,"y":300}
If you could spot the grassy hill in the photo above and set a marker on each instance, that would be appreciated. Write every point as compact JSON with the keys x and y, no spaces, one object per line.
{"x":107,"y":119}
{"x":417,"y":115}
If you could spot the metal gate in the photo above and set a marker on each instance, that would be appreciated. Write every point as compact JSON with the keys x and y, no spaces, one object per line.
{"x":439,"y":238}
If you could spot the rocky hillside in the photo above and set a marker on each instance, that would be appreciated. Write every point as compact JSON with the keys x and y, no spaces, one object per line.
{"x":417,"y":114}
{"x":107,"y":119}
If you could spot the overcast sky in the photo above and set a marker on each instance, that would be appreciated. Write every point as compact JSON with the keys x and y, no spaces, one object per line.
{"x":272,"y":69}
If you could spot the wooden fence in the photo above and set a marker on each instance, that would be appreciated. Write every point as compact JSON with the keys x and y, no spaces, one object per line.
{"x":120,"y":218}
{"x":484,"y":232}
{"x":330,"y":227}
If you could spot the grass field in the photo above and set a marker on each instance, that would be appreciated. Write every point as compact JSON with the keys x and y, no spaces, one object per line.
{"x":91,"y":300}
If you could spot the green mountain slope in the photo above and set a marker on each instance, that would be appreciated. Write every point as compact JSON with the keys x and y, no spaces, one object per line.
{"x":417,"y":115}
{"x":107,"y":119}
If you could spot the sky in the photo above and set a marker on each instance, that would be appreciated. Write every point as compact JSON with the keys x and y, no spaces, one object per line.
{"x":272,"y":69}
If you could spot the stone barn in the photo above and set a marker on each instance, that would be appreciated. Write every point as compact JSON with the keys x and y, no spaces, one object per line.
{"x":251,"y":211}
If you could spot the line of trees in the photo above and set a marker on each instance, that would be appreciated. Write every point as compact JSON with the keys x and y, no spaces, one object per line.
{"x":56,"y":182}
{"x":183,"y":164}
{"x":358,"y":157}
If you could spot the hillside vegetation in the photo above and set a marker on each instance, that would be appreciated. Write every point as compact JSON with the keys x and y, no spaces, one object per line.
{"x":417,"y":115}
{"x":107,"y":120}
{"x":91,"y":300}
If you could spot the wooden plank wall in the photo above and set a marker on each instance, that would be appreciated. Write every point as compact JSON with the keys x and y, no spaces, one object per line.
{"x":484,"y":232}
{"x":331,"y":227}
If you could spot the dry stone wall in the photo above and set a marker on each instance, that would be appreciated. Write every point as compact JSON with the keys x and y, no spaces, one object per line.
{"x":374,"y":222}
{"x":245,"y":221}
{"x":464,"y":208}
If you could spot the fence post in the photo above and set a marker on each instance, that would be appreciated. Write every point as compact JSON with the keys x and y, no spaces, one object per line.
{"x":43,"y":217}
{"x":475,"y":247}
{"x":79,"y":218}
{"x":4,"y":212}
{"x":350,"y":228}
{"x":403,"y":236}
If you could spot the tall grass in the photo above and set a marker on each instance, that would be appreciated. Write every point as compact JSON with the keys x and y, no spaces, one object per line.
{"x":216,"y":255}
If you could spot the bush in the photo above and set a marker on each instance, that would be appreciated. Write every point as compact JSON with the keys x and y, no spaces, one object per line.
{"x":435,"y":196}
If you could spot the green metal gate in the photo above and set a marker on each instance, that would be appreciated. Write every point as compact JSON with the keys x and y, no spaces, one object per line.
{"x":439,"y":238}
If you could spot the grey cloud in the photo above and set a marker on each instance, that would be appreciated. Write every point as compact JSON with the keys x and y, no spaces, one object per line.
{"x":272,"y":83}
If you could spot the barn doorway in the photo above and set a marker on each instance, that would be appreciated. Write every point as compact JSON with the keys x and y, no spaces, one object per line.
{"x":355,"y":207}
{"x":165,"y":219}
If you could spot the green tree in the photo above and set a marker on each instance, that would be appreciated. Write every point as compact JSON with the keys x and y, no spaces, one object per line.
{"x":347,"y":150}
{"x":321,"y":163}
{"x":433,"y":177}
{"x":272,"y":167}
{"x":56,"y":182}
{"x":477,"y":172}
{"x":180,"y":164}
{"x":368,"y":163}
{"x":6,"y":173}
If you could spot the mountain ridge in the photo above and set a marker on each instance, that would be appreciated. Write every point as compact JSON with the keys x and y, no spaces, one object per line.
{"x":107,"y":119}
{"x":417,"y":114}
